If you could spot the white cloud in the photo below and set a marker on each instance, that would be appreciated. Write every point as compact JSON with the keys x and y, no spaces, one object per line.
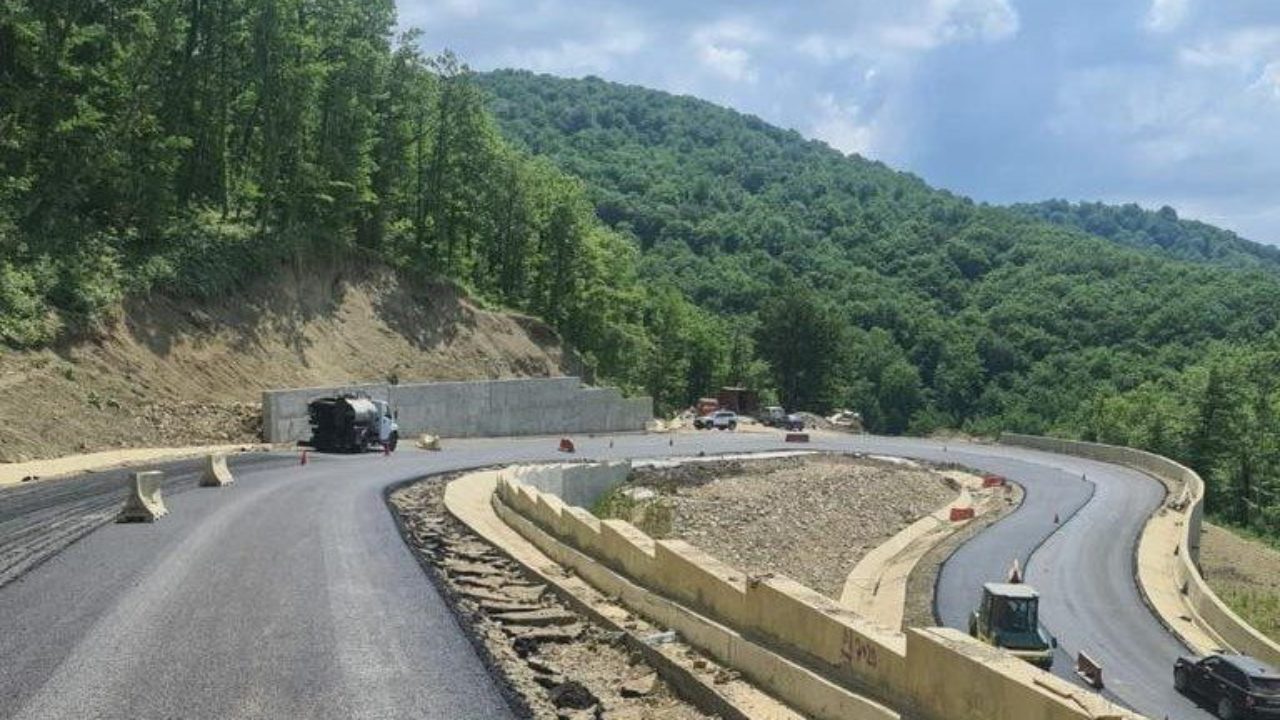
{"x":942,"y":22}
{"x":573,"y":57}
{"x":842,"y":126}
{"x":880,"y":31}
{"x":1243,"y":49}
{"x":722,"y":48}
{"x":1166,"y":15}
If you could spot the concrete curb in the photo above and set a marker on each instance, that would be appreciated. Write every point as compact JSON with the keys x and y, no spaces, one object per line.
{"x":877,"y":586}
{"x":470,"y":499}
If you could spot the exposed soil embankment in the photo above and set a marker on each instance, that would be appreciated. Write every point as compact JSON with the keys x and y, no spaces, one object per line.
{"x":810,"y":518}
{"x":176,"y":372}
{"x":1245,"y":574}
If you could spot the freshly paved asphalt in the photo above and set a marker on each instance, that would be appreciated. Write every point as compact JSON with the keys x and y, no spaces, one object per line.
{"x":291,"y":594}
{"x":1083,"y":566}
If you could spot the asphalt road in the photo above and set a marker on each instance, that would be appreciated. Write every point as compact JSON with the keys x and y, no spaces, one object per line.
{"x":1083,"y":565}
{"x":291,"y":593}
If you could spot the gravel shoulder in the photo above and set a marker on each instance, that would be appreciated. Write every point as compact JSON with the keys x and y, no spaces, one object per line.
{"x":811,"y":518}
{"x":553,"y":662}
{"x":1246,"y":575}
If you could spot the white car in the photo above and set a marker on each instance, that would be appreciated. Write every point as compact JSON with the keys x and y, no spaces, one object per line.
{"x":724,"y":420}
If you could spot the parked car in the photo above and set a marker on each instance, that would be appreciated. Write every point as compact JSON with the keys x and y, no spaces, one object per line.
{"x":774,"y":416}
{"x":724,"y":420}
{"x":702,"y":422}
{"x":1237,"y":686}
{"x":794,"y":422}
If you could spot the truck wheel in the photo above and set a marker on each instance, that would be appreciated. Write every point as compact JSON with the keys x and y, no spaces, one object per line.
{"x":393,"y":442}
{"x":1227,"y":709}
{"x":1180,"y":680}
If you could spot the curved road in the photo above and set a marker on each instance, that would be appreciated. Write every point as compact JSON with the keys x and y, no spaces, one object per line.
{"x":291,"y":594}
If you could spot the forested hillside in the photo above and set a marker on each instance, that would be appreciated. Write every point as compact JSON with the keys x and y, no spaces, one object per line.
{"x":840,"y":282}
{"x":189,"y":147}
{"x":1161,"y":230}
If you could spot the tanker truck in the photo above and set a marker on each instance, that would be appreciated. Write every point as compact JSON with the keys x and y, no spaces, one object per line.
{"x":350,"y":424}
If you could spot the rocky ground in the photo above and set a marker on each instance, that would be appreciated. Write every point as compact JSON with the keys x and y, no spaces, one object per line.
{"x":1246,"y":575}
{"x":811,"y":518}
{"x":554,"y":662}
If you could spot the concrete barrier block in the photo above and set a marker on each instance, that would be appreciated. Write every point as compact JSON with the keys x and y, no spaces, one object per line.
{"x":627,"y":550}
{"x":584,"y":485}
{"x":817,"y":627}
{"x":582,"y":530}
{"x":525,"y":501}
{"x":216,"y":473}
{"x":547,"y":513}
{"x":701,"y":580}
{"x":955,"y":676}
{"x":144,"y":502}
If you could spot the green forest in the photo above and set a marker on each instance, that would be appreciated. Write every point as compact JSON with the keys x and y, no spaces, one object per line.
{"x":837,"y":282}
{"x":189,"y":147}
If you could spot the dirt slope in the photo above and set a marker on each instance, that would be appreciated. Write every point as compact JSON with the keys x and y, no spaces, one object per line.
{"x":176,"y":372}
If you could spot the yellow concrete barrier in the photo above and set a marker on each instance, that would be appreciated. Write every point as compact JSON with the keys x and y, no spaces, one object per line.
{"x":936,"y":673}
{"x":216,"y":472}
{"x":144,"y":503}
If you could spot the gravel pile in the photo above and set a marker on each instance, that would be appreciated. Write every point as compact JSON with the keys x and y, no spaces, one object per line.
{"x":810,"y":518}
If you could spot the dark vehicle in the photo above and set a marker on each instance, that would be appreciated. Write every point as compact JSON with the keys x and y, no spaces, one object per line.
{"x":775,"y":416}
{"x":350,"y":423}
{"x":1008,"y":617}
{"x":703,"y":422}
{"x":1237,"y":686}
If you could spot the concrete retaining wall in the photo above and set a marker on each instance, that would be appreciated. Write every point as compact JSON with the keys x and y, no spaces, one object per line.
{"x":936,"y":673}
{"x":1187,"y":499}
{"x":487,"y":408}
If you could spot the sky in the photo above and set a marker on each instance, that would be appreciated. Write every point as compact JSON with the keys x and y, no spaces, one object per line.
{"x":1158,"y":102}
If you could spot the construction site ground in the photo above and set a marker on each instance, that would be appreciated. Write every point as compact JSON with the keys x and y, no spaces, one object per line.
{"x":1245,"y":573}
{"x":555,"y":662}
{"x":811,"y":518}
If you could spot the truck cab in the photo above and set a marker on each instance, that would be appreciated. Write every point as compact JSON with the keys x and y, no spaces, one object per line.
{"x":1008,"y":617}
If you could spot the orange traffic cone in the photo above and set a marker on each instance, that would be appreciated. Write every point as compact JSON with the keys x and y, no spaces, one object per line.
{"x":304,"y":457}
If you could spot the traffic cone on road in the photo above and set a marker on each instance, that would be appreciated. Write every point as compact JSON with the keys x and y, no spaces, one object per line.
{"x":304,"y":457}
{"x":1055,"y":519}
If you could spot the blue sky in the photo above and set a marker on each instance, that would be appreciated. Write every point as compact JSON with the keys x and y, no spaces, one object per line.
{"x":1151,"y":101}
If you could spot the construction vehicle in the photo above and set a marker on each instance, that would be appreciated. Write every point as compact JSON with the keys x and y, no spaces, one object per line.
{"x":1008,"y":618}
{"x":350,"y":424}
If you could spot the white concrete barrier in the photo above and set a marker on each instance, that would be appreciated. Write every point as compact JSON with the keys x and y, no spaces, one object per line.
{"x":216,"y":473}
{"x":144,"y":503}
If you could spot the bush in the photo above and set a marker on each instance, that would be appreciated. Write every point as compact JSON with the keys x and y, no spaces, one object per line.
{"x":26,"y":320}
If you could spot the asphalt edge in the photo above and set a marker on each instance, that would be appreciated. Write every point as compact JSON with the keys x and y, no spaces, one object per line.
{"x":510,"y":695}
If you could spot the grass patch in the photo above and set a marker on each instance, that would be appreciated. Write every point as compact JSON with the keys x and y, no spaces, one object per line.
{"x":1260,"y":609}
{"x":652,"y":515}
